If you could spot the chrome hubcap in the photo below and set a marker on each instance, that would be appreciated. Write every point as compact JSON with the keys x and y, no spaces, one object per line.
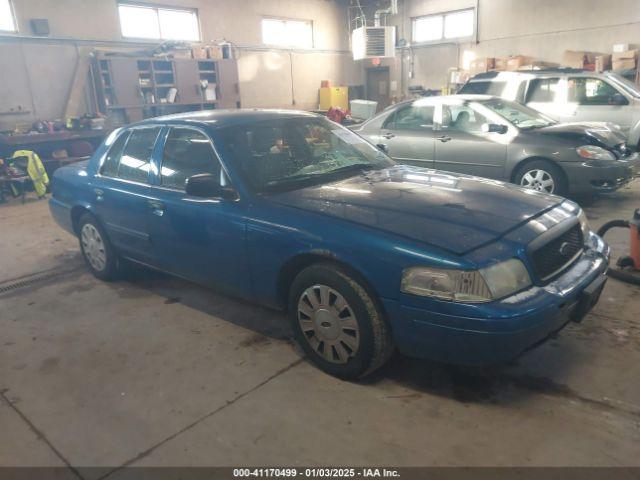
{"x":538,"y":180}
{"x":328,"y":324}
{"x":93,"y":247}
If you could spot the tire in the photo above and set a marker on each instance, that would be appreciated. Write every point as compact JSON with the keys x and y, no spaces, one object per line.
{"x":337,"y":322}
{"x":537,"y":173}
{"x":96,"y":249}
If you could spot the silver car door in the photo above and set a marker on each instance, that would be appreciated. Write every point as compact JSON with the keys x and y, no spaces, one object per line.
{"x":462,"y":146}
{"x":596,"y":100}
{"x":408,"y":134}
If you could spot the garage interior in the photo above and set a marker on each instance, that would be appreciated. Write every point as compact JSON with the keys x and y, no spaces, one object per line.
{"x":152,"y":370}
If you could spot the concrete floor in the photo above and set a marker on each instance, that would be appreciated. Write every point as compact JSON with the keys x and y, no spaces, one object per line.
{"x":156,"y":371}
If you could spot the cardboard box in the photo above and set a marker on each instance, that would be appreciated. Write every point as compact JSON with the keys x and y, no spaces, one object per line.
{"x":214,"y":53}
{"x":199,"y":53}
{"x":626,"y":55}
{"x":481,"y":65}
{"x":516,"y":61}
{"x":625,"y":64}
{"x":603,"y":62}
{"x":500,"y":63}
{"x":577,"y":59}
{"x":538,"y":65}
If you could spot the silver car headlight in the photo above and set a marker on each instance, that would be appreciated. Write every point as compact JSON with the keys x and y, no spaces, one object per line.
{"x":593,"y":152}
{"x":474,"y":286}
{"x":584,"y":225}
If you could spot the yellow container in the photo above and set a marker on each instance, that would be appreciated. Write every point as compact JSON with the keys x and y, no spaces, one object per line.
{"x":334,"y":97}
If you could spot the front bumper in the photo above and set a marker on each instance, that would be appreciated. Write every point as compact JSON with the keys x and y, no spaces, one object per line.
{"x":601,"y":175}
{"x":497,"y":332}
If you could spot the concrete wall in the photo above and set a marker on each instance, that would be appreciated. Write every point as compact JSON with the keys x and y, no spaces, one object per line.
{"x":542,"y":29}
{"x":36,"y":73}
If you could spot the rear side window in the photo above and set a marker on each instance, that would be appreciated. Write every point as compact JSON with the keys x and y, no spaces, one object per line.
{"x":136,"y":159}
{"x":110,"y":165}
{"x":484,"y":88}
{"x":187,"y":152}
{"x":411,"y":118}
{"x":543,"y":90}
{"x":591,"y":91}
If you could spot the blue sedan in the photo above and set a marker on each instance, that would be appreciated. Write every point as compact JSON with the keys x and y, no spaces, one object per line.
{"x":292,"y":211}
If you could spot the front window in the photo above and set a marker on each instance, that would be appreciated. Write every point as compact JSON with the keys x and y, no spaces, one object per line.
{"x":462,"y":118}
{"x":625,"y":84}
{"x":519,"y":115}
{"x":296,"y":152}
{"x":187,"y":152}
{"x":158,"y":23}
{"x":591,"y":91}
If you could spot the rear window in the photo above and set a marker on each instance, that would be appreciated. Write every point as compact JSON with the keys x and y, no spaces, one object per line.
{"x":484,"y":88}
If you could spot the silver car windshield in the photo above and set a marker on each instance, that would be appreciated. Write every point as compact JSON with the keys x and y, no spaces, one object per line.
{"x":519,"y":115}
{"x":627,"y":85}
{"x":290,"y":153}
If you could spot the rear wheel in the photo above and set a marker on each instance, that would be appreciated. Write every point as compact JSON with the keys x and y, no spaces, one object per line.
{"x":96,"y":248}
{"x":543,"y":176}
{"x":337,"y":323}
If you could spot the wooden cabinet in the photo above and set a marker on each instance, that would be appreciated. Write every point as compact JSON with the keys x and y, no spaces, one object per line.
{"x":133,"y":88}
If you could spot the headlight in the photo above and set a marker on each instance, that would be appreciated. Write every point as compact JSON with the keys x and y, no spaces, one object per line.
{"x":476,"y":286}
{"x":584,"y":225}
{"x":593,"y":152}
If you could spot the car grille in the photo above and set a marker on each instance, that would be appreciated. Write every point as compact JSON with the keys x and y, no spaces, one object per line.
{"x":555,"y":256}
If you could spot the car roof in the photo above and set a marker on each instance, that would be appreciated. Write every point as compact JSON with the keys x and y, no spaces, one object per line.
{"x":532,"y":73}
{"x":226,"y":118}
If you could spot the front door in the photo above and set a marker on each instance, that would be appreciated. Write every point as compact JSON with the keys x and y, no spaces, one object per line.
{"x":409,"y":136}
{"x":378,"y":86}
{"x":202,"y":239}
{"x":463,"y":147}
{"x":593,"y":99}
{"x":122,"y":195}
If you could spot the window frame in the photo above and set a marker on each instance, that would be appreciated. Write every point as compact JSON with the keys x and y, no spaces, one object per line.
{"x":443,"y":38}
{"x":129,"y":131}
{"x":156,"y":8}
{"x":286,"y":19}
{"x":14,"y":19}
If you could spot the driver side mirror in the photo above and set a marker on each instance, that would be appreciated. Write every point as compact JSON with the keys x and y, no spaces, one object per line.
{"x":494,"y":128}
{"x":205,"y":185}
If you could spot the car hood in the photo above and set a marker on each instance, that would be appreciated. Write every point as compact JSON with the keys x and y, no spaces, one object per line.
{"x":601,"y":134}
{"x":455,"y":213}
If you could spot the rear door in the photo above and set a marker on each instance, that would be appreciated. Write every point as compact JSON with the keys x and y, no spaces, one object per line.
{"x":122,"y":192}
{"x":409,"y":136}
{"x":461,"y":144}
{"x":198,"y":238}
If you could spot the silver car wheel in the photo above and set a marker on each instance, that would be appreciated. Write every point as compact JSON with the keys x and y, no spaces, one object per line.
{"x":328,"y":324}
{"x":93,"y":247}
{"x":539,"y":180}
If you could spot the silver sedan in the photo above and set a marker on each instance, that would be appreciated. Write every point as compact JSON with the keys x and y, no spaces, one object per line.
{"x":495,"y":138}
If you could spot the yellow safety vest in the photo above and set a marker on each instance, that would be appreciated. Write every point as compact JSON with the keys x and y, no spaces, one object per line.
{"x":36,"y":171}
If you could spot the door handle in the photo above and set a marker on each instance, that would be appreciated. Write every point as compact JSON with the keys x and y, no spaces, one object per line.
{"x":99,"y":194}
{"x":157,"y":207}
{"x":389,"y":135}
{"x":443,"y":138}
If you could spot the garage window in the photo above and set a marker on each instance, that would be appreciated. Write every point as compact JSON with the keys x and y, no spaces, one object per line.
{"x":287,"y":33}
{"x":7,"y":20}
{"x":156,"y":23}
{"x":442,"y":27}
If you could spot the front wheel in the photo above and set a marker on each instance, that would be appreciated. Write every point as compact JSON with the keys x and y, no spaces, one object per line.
{"x":542,"y":176}
{"x":337,"y":323}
